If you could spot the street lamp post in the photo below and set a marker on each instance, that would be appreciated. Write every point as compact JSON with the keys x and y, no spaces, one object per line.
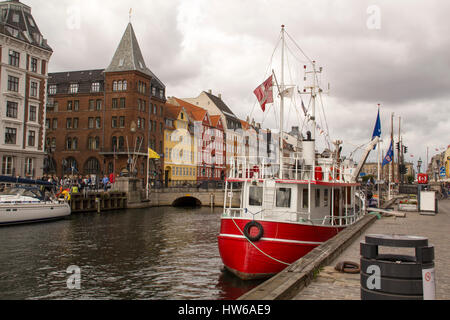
{"x":419,"y":165}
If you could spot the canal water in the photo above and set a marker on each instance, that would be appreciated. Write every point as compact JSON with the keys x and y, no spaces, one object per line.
{"x":154,"y":254}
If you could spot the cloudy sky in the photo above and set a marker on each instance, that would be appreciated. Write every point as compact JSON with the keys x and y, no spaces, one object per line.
{"x":393,"y":53}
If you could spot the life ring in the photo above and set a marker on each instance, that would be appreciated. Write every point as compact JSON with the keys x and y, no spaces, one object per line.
{"x":250,"y":225}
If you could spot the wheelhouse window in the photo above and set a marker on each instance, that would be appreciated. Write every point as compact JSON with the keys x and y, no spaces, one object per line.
{"x":284,"y":197}
{"x":305,"y":199}
{"x":255,"y":196}
{"x":317,"y":198}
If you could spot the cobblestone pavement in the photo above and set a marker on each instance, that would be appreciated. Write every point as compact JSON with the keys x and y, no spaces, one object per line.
{"x":332,"y":285}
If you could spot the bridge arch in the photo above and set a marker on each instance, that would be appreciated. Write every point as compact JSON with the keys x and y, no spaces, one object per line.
{"x":187,"y":201}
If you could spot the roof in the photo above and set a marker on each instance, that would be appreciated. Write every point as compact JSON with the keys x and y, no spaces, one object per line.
{"x":221,"y":105}
{"x":195,"y":112}
{"x":16,"y":21}
{"x":215,"y":120}
{"x":128,"y":57}
{"x":84,"y":78}
{"x":171,"y":111}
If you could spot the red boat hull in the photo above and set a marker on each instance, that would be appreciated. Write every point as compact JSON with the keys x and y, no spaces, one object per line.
{"x":285,"y":242}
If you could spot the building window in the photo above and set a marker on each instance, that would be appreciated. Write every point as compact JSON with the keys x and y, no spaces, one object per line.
{"x":10,"y":135}
{"x":55,"y":124}
{"x":91,"y":105}
{"x":13,"y":84}
{"x":73,"y":88}
{"x":115,"y":105}
{"x":11,"y":109}
{"x":75,"y":123}
{"x":29,"y":166}
{"x":98,"y":123}
{"x":52,"y":89}
{"x":115,"y":86}
{"x":125,"y":85}
{"x":33,"y":114}
{"x":91,"y":123}
{"x":31,"y":138}
{"x":119,"y":86}
{"x":122,"y":122}
{"x":95,"y":87}
{"x":69,"y":105}
{"x":99,"y":105}
{"x":34,"y":63}
{"x":94,"y":143}
{"x":69,"y":123}
{"x":92,"y":166}
{"x":76,"y":105}
{"x":14,"y":58}
{"x":7,"y":165}
{"x":114,"y":122}
{"x":122,"y":103}
{"x":34,"y":89}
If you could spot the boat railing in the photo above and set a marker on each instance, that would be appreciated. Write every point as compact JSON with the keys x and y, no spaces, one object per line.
{"x":255,"y":168}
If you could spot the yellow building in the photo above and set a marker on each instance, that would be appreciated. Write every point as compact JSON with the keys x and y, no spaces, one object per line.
{"x":179,"y":165}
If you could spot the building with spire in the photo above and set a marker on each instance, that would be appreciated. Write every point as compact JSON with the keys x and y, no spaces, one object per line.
{"x":103,"y":121}
{"x":24,"y":55}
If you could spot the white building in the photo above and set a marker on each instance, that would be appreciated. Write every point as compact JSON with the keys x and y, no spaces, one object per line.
{"x":24,"y":56}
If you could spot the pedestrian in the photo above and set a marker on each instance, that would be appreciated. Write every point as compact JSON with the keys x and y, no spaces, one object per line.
{"x":105,"y":182}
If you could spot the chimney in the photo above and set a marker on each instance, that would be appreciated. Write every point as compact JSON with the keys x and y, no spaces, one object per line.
{"x":210,"y":91}
{"x":220,"y":96}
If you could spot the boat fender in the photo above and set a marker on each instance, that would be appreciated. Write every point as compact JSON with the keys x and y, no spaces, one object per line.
{"x":247,"y":231}
{"x":348,"y":267}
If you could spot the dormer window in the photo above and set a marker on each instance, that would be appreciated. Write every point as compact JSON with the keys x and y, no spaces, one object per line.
{"x":52,"y":89}
{"x":73,"y":88}
{"x":95,"y":87}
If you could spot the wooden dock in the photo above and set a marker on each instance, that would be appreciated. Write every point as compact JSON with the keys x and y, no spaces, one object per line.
{"x":98,"y":201}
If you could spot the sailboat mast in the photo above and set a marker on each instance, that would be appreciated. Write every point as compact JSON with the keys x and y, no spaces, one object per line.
{"x":282,"y":101}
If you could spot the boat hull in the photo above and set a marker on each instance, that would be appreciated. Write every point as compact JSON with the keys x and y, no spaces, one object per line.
{"x":33,"y":212}
{"x":282,"y":244}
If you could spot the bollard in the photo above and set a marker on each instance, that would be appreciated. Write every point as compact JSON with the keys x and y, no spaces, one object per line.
{"x":97,"y":201}
{"x":397,"y":277}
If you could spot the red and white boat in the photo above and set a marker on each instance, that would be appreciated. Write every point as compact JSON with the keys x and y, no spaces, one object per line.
{"x":288,"y":205}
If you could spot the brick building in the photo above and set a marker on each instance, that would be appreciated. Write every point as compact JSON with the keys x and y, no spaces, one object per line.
{"x":24,"y":56}
{"x":102,"y":121}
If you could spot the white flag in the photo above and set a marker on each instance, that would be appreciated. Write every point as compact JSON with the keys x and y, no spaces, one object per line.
{"x":288,"y":93}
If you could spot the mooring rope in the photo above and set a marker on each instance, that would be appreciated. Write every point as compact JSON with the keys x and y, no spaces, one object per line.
{"x":287,"y":264}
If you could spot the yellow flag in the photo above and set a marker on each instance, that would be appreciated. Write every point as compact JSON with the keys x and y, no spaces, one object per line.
{"x":152,"y":154}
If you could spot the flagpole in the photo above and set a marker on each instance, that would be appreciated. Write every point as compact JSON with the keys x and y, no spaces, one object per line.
{"x":282,"y":102}
{"x":148,"y":165}
{"x":378,"y":160}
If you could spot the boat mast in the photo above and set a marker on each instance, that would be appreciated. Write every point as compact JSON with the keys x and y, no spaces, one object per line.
{"x":282,"y":101}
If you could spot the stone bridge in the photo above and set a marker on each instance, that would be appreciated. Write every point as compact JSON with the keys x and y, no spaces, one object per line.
{"x":180,"y":197}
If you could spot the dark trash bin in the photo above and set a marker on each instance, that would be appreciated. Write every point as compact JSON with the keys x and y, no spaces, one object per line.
{"x":394,"y":276}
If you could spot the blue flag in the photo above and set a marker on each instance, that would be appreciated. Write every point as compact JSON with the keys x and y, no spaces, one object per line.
{"x":389,"y":155}
{"x":377,"y":130}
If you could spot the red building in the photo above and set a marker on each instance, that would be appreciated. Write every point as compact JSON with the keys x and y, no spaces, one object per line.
{"x":103,"y":121}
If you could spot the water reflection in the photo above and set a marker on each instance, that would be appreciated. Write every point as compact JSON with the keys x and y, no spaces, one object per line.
{"x":159,"y":253}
